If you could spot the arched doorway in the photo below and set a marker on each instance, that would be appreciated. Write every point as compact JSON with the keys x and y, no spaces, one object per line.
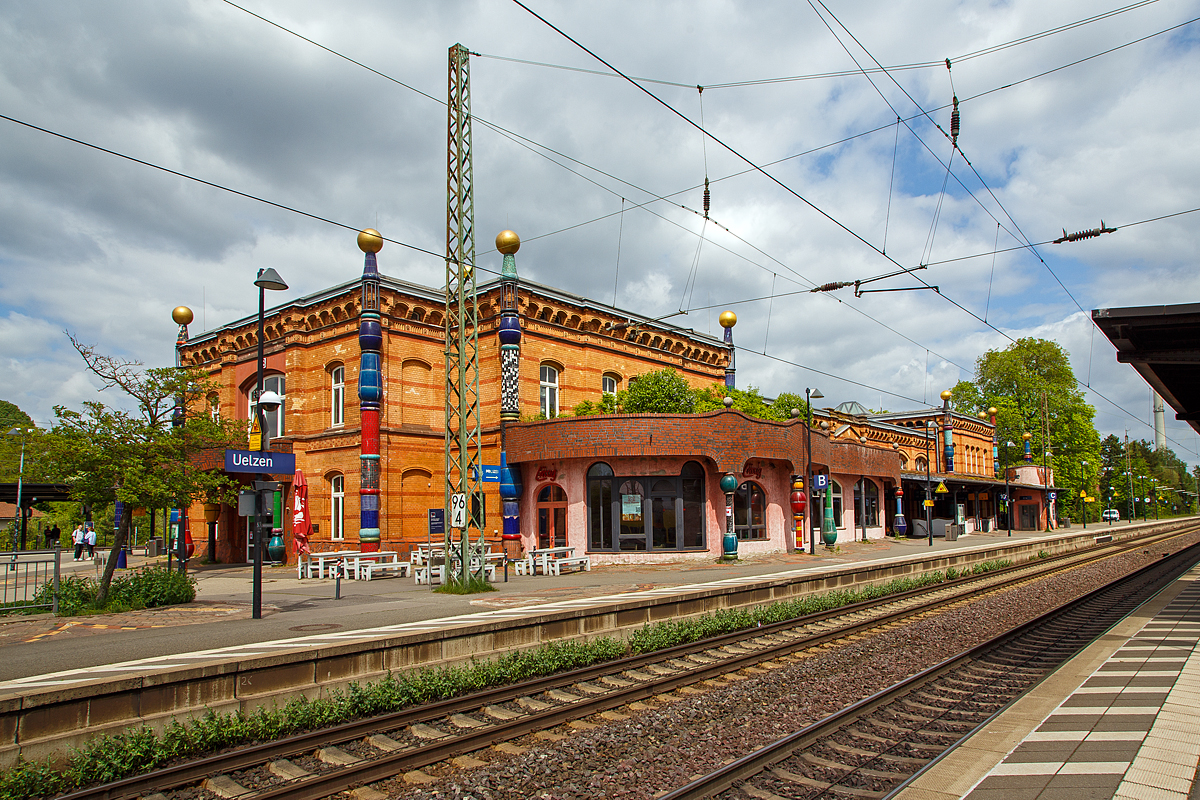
{"x":552,"y":516}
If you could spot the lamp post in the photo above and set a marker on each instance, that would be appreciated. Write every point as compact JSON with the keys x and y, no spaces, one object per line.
{"x":1007,"y":490}
{"x":809,"y":396}
{"x":267,"y":279}
{"x":20,"y":481}
{"x":1142,"y":494}
{"x":930,"y":427}
{"x":1083,"y":492}
{"x":899,"y":525}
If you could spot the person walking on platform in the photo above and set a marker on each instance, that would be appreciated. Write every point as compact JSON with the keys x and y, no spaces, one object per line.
{"x":77,"y":540}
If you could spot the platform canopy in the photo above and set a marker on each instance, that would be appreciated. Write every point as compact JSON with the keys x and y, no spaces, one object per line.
{"x":34,"y":492}
{"x":1163,"y":344}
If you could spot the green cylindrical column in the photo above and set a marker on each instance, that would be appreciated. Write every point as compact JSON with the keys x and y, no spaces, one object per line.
{"x":828,"y":529}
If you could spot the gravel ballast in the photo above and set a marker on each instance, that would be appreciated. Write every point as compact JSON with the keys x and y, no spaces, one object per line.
{"x":665,"y":745}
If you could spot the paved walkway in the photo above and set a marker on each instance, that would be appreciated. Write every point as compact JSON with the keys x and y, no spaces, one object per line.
{"x":1117,"y":721}
{"x":220,"y":617}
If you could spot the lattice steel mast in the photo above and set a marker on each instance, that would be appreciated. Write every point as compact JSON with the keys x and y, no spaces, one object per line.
{"x":463,"y":441}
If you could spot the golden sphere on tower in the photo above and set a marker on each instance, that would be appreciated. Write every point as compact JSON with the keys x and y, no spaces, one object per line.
{"x":1027,"y":436}
{"x":508,"y":243}
{"x":982,"y":415}
{"x":369,"y":240}
{"x":182,"y":315}
{"x":992,"y":411}
{"x":947,"y":394}
{"x":727,"y":319}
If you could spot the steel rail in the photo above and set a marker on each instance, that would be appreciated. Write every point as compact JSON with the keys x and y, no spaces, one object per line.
{"x":255,"y":755}
{"x":727,"y":776}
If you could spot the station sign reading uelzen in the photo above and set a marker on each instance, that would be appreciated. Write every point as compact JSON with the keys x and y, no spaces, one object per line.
{"x":255,"y":461}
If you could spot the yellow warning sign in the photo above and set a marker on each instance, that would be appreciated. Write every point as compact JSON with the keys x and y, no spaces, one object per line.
{"x":942,"y":488}
{"x":255,"y":437}
{"x":1083,"y":493}
{"x":929,"y":503}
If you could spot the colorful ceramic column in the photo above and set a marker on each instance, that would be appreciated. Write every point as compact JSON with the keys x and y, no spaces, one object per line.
{"x":728,"y":319}
{"x":509,"y":334}
{"x":729,"y":485}
{"x":1028,"y":447}
{"x":995,"y":442}
{"x":370,"y":392}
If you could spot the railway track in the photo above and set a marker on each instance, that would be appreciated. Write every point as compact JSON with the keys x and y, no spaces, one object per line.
{"x":874,"y":747}
{"x":322,"y":763}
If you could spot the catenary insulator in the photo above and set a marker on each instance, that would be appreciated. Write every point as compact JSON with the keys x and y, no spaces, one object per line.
{"x":707,"y":198}
{"x":954,"y":123}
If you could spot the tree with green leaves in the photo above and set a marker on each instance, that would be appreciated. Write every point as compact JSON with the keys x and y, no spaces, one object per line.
{"x":139,"y":457}
{"x":1031,"y":383}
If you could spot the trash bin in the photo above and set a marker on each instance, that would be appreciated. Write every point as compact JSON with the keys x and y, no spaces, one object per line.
{"x":952,"y":532}
{"x":121,"y":559}
{"x":985,"y":524}
{"x":1064,"y":522}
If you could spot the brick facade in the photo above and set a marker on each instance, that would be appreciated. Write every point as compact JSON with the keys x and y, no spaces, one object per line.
{"x":309,"y":337}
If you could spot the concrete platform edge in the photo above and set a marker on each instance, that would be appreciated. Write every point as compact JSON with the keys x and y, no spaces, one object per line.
{"x":955,"y":775}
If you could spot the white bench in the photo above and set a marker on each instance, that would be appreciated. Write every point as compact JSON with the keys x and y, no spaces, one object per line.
{"x":374,"y":568}
{"x":523,"y":566}
{"x":556,"y":564}
{"x":423,"y":573}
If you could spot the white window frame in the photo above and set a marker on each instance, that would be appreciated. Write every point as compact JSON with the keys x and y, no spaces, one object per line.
{"x":337,"y":508}
{"x":609,"y":383}
{"x":337,"y":397}
{"x":274,"y":382}
{"x":548,"y":394}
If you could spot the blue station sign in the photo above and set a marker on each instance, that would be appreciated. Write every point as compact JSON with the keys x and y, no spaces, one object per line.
{"x":255,"y":461}
{"x":490,"y":473}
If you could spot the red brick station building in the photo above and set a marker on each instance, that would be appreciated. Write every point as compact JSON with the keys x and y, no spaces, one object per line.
{"x":636,"y":487}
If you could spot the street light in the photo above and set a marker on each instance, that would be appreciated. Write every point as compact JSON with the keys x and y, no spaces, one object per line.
{"x":809,"y":396}
{"x":20,"y":481}
{"x":1142,"y":494}
{"x":1083,"y":491}
{"x":1007,"y":491}
{"x":264,"y":401}
{"x":930,"y":427}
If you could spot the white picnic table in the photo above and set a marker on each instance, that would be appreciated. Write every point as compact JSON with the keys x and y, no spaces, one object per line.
{"x":551,"y":560}
{"x":355,"y":565}
{"x":323,"y":562}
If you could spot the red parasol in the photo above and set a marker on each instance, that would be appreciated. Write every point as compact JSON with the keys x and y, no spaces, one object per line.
{"x":301,"y":519}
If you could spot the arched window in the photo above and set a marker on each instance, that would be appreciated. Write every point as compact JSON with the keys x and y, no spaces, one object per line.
{"x":609,"y":383}
{"x":868,"y":503}
{"x":552,"y":516}
{"x":337,"y":396}
{"x":750,"y":511}
{"x":549,"y":391}
{"x":271,"y":383}
{"x":836,"y":489}
{"x":921,"y":463}
{"x":903,"y":461}
{"x":337,"y":507}
{"x":600,"y":506}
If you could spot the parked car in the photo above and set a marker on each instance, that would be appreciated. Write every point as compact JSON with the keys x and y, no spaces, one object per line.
{"x":1111,"y":515}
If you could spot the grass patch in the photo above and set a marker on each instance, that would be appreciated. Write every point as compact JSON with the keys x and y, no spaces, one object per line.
{"x":473,"y":585}
{"x":141,"y":750}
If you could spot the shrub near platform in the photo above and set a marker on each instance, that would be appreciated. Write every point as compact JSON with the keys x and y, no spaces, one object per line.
{"x":149,"y":587}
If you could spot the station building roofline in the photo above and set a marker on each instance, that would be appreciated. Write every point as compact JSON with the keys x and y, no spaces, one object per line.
{"x":437,"y":296}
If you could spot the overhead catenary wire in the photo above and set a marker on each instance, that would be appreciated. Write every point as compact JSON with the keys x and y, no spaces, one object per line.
{"x":842,"y":73}
{"x":247,"y":195}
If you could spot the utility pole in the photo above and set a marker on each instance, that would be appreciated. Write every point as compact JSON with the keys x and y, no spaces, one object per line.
{"x":463,"y":443}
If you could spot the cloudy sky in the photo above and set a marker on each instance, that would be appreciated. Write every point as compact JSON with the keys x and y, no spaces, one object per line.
{"x":576,"y":162}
